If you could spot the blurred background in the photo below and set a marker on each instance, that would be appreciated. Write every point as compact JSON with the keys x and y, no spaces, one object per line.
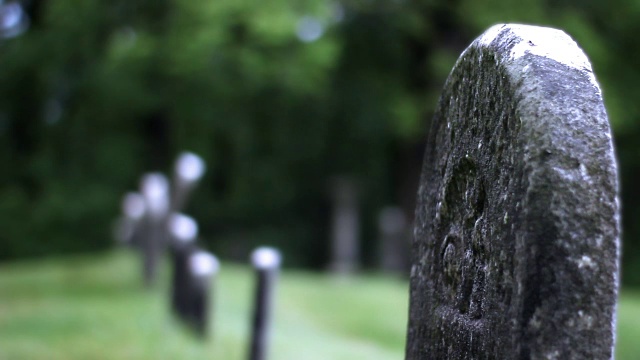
{"x":283,"y":100}
{"x":279,"y":97}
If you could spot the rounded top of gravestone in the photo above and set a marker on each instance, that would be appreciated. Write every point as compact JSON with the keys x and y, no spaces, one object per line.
{"x":190,"y":167}
{"x":265,"y":258}
{"x":203,"y":263}
{"x":155,"y":189}
{"x":133,"y":205}
{"x":183,"y":227}
{"x":513,"y":41}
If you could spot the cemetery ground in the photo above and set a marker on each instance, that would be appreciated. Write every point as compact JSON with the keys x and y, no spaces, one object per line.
{"x":93,"y":307}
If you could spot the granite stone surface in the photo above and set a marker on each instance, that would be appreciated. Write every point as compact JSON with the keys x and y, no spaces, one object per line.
{"x":516,"y":243}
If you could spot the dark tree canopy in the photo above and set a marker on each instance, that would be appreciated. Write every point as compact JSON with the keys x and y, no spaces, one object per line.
{"x":277,"y":96}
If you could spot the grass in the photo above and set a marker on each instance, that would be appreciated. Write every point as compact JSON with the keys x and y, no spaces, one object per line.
{"x":628,"y":326}
{"x":94,"y":308}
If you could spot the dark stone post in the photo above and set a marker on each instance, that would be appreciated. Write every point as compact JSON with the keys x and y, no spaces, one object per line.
{"x":127,"y":227}
{"x":266,"y":262}
{"x":394,"y":240}
{"x":155,"y":190}
{"x":189,"y":169}
{"x":516,"y":245}
{"x":203,"y":267}
{"x":183,"y":232}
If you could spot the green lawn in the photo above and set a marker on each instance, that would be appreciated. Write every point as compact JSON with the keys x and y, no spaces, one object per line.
{"x":628,"y":343}
{"x":94,"y":308}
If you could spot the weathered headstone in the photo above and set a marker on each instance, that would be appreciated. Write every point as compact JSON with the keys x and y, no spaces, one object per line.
{"x":516,"y":245}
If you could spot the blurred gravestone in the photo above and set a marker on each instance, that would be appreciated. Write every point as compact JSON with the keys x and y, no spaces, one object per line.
{"x":345,"y":226}
{"x":183,"y":232}
{"x":188,"y":170}
{"x":266,"y":261}
{"x":155,"y":190}
{"x":203,"y":266}
{"x":127,"y":227}
{"x":144,"y":224}
{"x":516,"y":245}
{"x":394,"y":242}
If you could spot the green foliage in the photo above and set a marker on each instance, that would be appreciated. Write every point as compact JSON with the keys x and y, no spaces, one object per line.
{"x":627,"y":331}
{"x":95,"y":93}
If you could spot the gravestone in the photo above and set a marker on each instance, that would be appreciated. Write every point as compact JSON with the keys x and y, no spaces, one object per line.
{"x":393,"y":233}
{"x":203,"y":267}
{"x":183,"y":232}
{"x":188,"y":170}
{"x":516,"y":242}
{"x":345,"y":227}
{"x":266,"y":262}
{"x":155,"y":190}
{"x":126,"y":228}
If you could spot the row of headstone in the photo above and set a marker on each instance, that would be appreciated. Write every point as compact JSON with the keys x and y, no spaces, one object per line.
{"x":192,"y":274}
{"x":152,"y":222}
{"x":393,"y":232}
{"x":516,"y":247}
